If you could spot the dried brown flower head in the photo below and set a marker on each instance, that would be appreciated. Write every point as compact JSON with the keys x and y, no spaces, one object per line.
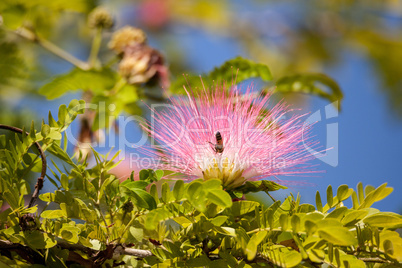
{"x":127,"y":37}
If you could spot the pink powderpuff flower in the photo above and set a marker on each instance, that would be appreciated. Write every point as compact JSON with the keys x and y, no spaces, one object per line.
{"x":253,"y":142}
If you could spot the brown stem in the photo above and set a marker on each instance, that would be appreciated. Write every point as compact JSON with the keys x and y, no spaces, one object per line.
{"x":39,"y":182}
{"x":25,"y":252}
{"x":117,"y":249}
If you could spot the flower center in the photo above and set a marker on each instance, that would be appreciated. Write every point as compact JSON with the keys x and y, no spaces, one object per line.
{"x":225,"y":171}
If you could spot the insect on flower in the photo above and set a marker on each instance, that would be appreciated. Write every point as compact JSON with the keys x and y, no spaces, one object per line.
{"x":218,"y":147}
{"x":256,"y":140}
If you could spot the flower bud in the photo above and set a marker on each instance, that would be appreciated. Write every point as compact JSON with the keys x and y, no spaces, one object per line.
{"x":127,"y":37}
{"x":100,"y":18}
{"x":141,"y":64}
{"x":134,"y":69}
{"x":128,"y":207}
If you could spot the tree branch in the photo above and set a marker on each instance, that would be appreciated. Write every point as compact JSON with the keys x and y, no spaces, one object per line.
{"x":39,"y":182}
{"x":118,"y":249}
{"x":28,"y":34}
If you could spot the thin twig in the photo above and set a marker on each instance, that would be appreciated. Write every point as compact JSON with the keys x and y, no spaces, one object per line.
{"x":376,"y":260}
{"x":29,"y":35}
{"x":139,"y":253}
{"x":39,"y":182}
{"x":96,"y":44}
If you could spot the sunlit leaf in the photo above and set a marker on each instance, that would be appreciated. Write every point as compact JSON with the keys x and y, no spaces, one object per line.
{"x":337,"y":236}
{"x":252,"y":245}
{"x":384,"y":220}
{"x":53,"y":214}
{"x":220,"y":198}
{"x":78,"y":79}
{"x":234,"y":70}
{"x":243,"y":207}
{"x":178,"y":189}
{"x":312,"y":84}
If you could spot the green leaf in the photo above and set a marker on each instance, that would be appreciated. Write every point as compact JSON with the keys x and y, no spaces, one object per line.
{"x":178,"y":190}
{"x":149,"y":175}
{"x":218,"y":221}
{"x":314,"y":216}
{"x":45,"y":130}
{"x":337,"y":257}
{"x":355,"y":201}
{"x":337,"y":213}
{"x":144,"y":174}
{"x":55,"y":150}
{"x":388,"y":247}
{"x":305,"y":208}
{"x":242,"y":207}
{"x":291,"y":258}
{"x":220,"y":198}
{"x":352,"y":261}
{"x":70,"y":233}
{"x":310,"y":227}
{"x":173,"y":249}
{"x":34,"y":160}
{"x":11,"y":197}
{"x":316,"y":255}
{"x":53,"y":214}
{"x":329,"y":196}
{"x":283,"y":257}
{"x":212,"y":184}
{"x":159,"y":174}
{"x":47,"y":197}
{"x":132,"y":185}
{"x":39,"y":240}
{"x":153,"y":191}
{"x":343,"y":192}
{"x":368,"y":189}
{"x":314,"y":84}
{"x":283,"y":221}
{"x":318,"y":201}
{"x":244,"y":68}
{"x":77,"y":79}
{"x":63,"y":115}
{"x":165,"y":192}
{"x":137,"y":233}
{"x":64,"y":181}
{"x":52,"y":122}
{"x":375,"y":195}
{"x":295,"y":222}
{"x":109,"y":181}
{"x":183,"y":221}
{"x":360,"y":192}
{"x":196,"y":195}
{"x":143,"y":199}
{"x":154,"y":217}
{"x":337,"y":236}
{"x":238,"y":68}
{"x":258,"y":186}
{"x":326,"y":223}
{"x":384,"y":220}
{"x":353,"y":216}
{"x":253,"y":243}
